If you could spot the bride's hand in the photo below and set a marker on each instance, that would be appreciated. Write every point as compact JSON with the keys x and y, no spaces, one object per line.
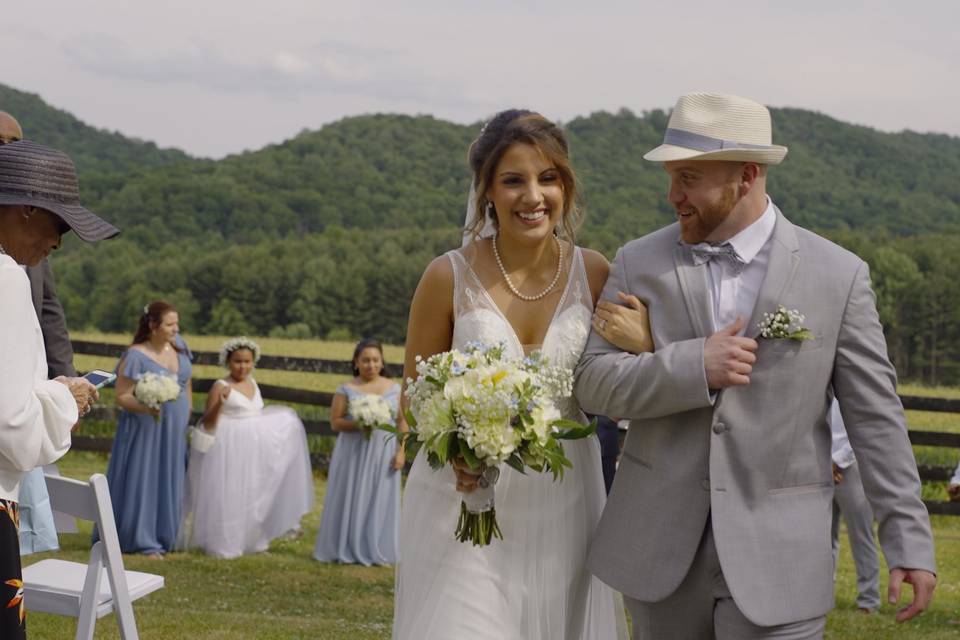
{"x":627,"y":327}
{"x":466,"y":477}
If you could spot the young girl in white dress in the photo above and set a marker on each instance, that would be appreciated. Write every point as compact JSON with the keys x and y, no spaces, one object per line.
{"x":522,"y":281}
{"x":249,"y":475}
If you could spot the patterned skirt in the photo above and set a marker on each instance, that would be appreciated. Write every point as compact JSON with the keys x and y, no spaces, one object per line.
{"x":12,"y":612}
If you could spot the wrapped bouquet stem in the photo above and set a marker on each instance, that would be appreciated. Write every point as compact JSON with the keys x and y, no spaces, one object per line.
{"x":482,"y":410}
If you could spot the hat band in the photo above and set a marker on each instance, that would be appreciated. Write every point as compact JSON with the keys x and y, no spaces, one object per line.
{"x":690,"y":140}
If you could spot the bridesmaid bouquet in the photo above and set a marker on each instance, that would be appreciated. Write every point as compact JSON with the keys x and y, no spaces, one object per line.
{"x":370,"y":411}
{"x":488,"y":410}
{"x":153,"y":389}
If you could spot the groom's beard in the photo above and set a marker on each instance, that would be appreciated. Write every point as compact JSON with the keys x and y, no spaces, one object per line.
{"x":706,"y":219}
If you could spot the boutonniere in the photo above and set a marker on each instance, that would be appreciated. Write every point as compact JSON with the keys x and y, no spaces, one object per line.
{"x":784,"y":323}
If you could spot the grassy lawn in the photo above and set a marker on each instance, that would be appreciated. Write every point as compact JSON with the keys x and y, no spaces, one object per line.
{"x":284,"y":593}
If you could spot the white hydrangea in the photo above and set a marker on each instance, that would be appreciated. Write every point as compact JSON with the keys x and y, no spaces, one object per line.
{"x":153,"y":389}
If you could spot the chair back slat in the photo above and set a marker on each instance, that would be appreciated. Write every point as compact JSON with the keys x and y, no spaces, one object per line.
{"x":72,"y":497}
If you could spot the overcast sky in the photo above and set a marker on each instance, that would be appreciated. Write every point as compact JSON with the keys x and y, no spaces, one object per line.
{"x":215,"y":77}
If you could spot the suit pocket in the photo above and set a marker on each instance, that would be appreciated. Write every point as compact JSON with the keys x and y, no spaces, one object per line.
{"x":786,"y":346}
{"x":800,"y":489}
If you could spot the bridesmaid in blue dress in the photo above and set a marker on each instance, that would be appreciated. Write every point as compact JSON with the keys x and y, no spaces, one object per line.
{"x":149,"y":458}
{"x":361,"y":509}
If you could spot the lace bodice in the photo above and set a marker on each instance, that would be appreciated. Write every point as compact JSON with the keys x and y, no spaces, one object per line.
{"x":477,"y":317}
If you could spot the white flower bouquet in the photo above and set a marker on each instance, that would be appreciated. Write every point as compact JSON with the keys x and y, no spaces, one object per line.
{"x":370,"y":411}
{"x":153,"y":389}
{"x":489,"y":410}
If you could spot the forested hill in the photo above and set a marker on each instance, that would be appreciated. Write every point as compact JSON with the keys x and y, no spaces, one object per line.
{"x":94,"y":150}
{"x":327,"y":234}
{"x":389,"y":171}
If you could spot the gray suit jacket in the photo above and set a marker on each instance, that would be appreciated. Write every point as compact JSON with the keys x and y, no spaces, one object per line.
{"x":53,"y":323}
{"x":757,"y":459}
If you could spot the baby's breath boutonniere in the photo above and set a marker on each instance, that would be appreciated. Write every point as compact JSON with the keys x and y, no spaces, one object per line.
{"x":784,"y":323}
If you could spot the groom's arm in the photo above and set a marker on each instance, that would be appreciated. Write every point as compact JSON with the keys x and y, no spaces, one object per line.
{"x":865,"y":383}
{"x":612,"y":382}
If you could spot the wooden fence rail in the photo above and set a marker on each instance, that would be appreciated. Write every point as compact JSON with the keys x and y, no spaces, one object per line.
{"x":928,"y":473}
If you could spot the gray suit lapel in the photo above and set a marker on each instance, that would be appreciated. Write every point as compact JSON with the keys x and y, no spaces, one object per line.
{"x":695,"y":287}
{"x":784,"y":260}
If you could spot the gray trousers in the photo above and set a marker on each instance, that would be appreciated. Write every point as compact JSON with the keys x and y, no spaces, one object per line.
{"x":702,"y":609}
{"x":850,"y":501}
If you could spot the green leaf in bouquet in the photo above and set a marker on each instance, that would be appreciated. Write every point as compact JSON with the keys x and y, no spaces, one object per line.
{"x":516,"y":463}
{"x":453,"y":445}
{"x":410,"y":419}
{"x":435,"y":463}
{"x":441,"y":446}
{"x":390,"y":429}
{"x":434,"y":381}
{"x":572,"y":430}
{"x":469,"y":456}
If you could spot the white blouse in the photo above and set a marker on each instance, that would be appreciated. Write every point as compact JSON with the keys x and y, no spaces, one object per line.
{"x":36,"y":414}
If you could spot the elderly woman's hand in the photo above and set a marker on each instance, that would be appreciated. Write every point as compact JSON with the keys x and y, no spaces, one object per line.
{"x":84,"y":393}
{"x":627,"y":327}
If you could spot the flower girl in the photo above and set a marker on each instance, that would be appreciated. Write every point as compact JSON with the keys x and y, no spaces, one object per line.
{"x":249,"y":474}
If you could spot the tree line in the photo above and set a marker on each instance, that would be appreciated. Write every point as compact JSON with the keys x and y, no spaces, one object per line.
{"x":326,"y":234}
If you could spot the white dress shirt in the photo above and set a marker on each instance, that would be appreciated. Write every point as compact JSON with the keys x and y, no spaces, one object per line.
{"x":735,"y":295}
{"x":840,"y":451}
{"x":36,"y":414}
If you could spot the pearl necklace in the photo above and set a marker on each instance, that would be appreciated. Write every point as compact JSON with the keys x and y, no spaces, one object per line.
{"x":556,"y":278}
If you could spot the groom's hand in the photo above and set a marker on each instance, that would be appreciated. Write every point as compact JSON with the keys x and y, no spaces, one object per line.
{"x":728,"y":358}
{"x":923,"y":584}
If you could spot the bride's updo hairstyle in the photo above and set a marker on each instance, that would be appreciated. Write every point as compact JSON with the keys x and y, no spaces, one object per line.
{"x":506,"y":129}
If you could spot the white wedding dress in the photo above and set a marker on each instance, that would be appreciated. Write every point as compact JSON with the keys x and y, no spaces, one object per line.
{"x":253,"y":484}
{"x":533,"y":584}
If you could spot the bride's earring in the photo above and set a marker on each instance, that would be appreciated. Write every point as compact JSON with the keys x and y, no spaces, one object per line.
{"x":491,"y":212}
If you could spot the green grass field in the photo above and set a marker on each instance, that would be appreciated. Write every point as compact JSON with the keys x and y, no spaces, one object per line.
{"x":284,"y":593}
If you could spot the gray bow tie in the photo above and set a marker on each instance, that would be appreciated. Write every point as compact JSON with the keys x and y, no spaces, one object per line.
{"x":704,"y":252}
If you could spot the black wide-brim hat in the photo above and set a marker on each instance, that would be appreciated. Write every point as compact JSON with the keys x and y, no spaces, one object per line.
{"x":38,"y":176}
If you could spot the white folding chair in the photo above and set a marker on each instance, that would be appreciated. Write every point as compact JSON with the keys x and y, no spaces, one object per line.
{"x":78,"y":590}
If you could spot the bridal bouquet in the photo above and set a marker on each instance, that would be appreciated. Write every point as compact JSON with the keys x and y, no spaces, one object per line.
{"x":370,"y":411}
{"x":153,"y":389}
{"x":488,"y":410}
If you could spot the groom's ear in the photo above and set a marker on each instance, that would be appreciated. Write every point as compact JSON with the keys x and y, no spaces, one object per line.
{"x":750,"y":174}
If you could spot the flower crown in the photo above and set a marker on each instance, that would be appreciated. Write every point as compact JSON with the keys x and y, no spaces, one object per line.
{"x":243,"y":342}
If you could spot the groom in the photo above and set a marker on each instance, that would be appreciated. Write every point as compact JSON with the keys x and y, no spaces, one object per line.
{"x":718,"y":523}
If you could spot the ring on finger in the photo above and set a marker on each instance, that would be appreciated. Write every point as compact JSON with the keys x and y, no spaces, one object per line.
{"x":603,"y":325}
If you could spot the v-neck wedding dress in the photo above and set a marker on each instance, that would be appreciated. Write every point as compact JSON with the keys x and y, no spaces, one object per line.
{"x":533,"y":584}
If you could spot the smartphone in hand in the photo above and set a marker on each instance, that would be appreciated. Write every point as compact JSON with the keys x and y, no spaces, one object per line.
{"x":100,"y":378}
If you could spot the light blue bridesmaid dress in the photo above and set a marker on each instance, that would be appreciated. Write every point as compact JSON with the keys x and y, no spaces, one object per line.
{"x":148,"y":463}
{"x":361,"y":509}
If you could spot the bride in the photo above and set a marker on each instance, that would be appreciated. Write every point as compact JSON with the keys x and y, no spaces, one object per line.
{"x":521,"y":281}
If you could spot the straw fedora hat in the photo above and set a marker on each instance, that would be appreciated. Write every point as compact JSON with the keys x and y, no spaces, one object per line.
{"x":714,"y":126}
{"x":38,"y":176}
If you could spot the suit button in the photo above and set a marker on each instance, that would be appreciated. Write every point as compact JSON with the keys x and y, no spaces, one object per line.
{"x":719,"y":428}
{"x":705,"y":484}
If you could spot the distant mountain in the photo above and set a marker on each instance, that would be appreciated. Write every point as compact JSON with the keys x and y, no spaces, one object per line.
{"x":327,"y":234}
{"x":394,"y":172}
{"x":93,"y":150}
